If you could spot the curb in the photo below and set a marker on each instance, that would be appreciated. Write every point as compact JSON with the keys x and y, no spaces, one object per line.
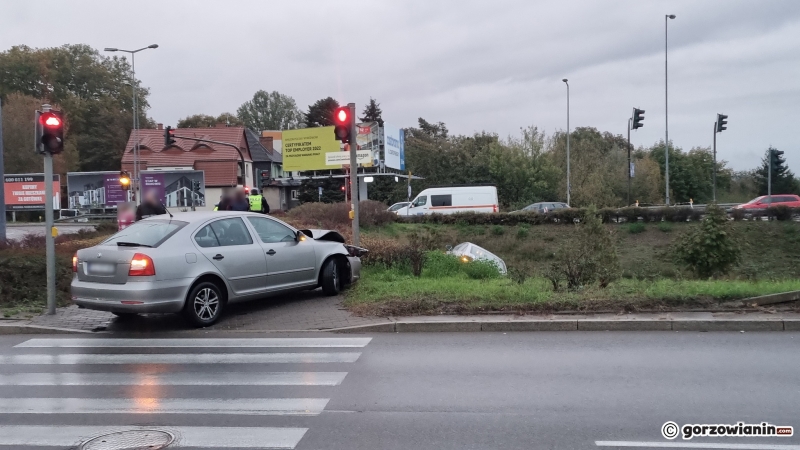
{"x":36,"y":329}
{"x":578,"y":325}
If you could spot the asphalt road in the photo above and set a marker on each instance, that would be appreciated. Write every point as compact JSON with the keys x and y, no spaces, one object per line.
{"x":16,"y":232}
{"x":401,"y":391}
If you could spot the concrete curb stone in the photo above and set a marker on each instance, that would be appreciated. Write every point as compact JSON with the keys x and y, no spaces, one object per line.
{"x":624,"y":325}
{"x":531,"y":325}
{"x":728,"y":325}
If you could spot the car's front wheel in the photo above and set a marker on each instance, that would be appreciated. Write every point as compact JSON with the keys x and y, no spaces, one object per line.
{"x":331,"y":277}
{"x":204,"y":304}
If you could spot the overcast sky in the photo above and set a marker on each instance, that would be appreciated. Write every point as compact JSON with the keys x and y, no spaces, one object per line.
{"x":475,"y":65}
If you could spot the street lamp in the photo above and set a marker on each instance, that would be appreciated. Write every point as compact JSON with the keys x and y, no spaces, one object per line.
{"x":666,"y":107}
{"x":136,"y":181}
{"x":568,"y":184}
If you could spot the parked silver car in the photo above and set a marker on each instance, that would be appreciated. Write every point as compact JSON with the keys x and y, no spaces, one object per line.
{"x":197,"y":262}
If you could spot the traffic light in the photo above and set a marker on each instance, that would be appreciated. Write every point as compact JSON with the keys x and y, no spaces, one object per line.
{"x":638,"y":118}
{"x":263,"y":177}
{"x":124,"y":181}
{"x":195,"y":185}
{"x":168,"y":137}
{"x":775,"y":158}
{"x":51,"y":132}
{"x":343,"y":123}
{"x":721,"y":122}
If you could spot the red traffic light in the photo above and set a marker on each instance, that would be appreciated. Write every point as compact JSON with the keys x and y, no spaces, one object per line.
{"x":341,"y":115}
{"x":50,"y":120}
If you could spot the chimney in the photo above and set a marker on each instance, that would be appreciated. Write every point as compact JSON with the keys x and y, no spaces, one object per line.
{"x":221,"y":125}
{"x":266,"y":141}
{"x":160,"y":126}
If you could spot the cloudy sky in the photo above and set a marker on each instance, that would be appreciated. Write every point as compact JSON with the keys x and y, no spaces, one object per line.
{"x":475,"y":65}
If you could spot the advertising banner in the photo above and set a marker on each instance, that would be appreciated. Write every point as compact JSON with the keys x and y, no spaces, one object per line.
{"x":305,"y":149}
{"x":94,"y":190}
{"x":369,"y":139}
{"x":339,"y":159}
{"x":394,"y":147}
{"x":26,"y":192}
{"x":175,"y":188}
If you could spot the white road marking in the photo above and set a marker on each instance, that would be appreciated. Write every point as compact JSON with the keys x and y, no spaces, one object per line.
{"x":199,"y":437}
{"x":174,"y":379}
{"x":247,"y":406}
{"x":198,"y":343}
{"x":711,"y":445}
{"x":182,"y":358}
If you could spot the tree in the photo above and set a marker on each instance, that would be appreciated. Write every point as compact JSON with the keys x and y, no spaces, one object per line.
{"x":320,"y":114}
{"x":270,"y":111}
{"x":710,"y":249}
{"x":783,"y":181}
{"x":94,"y":91}
{"x":197,"y":121}
{"x":372,"y":112}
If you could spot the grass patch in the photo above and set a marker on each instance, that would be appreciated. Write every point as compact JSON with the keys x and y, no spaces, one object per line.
{"x":392,"y":292}
{"x":665,"y":227}
{"x":636,"y":227}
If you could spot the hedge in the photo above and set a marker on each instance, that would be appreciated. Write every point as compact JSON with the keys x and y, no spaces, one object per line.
{"x":608,"y":215}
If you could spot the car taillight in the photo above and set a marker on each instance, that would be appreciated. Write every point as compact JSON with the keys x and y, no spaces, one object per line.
{"x":494,"y":208}
{"x":75,"y":263}
{"x":141,"y":266}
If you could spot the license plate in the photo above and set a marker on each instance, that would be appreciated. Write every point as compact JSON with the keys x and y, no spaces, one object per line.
{"x":101,"y":268}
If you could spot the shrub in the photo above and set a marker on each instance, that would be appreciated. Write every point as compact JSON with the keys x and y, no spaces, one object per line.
{"x":518,"y":275}
{"x":591,"y":256}
{"x":480,"y":269}
{"x":374,"y":214}
{"x":665,"y":227}
{"x":498,"y":230}
{"x":419,"y":244}
{"x":522,"y":232}
{"x":710,"y":249}
{"x":636,"y":227}
{"x":439,"y":265}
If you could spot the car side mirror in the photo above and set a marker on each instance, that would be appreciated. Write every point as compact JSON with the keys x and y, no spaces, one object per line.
{"x":300,"y":237}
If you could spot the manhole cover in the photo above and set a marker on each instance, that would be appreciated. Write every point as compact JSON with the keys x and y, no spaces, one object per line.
{"x":130,"y":440}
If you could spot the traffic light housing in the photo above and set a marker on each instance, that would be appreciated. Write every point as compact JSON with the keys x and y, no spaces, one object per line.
{"x":50,"y":132}
{"x":343,"y":123}
{"x":722,"y":120}
{"x":775,"y":158}
{"x":124,"y":180}
{"x":195,"y":185}
{"x":638,"y":118}
{"x":169,"y":138}
{"x":263,"y":178}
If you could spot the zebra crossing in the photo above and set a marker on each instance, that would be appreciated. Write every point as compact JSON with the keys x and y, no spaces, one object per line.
{"x":126,"y":385}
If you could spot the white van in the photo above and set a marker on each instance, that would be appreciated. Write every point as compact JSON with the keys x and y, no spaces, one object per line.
{"x":449,"y":200}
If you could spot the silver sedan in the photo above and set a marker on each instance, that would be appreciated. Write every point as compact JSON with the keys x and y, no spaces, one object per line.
{"x":197,"y":262}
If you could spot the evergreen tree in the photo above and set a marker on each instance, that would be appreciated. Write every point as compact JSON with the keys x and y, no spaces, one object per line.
{"x":372,"y":112}
{"x":783,"y":181}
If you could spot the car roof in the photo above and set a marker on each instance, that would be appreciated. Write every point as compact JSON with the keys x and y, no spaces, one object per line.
{"x":201,"y":216}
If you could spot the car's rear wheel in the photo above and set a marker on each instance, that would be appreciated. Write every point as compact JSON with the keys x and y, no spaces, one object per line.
{"x":204,"y":304}
{"x":331,"y":277}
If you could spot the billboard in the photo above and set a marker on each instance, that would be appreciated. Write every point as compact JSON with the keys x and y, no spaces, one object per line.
{"x":26,"y":192}
{"x":95,"y":190}
{"x":174,"y":187}
{"x":394,"y":147}
{"x":316,"y":149}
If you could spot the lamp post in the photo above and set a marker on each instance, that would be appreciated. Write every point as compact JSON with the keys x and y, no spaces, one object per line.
{"x":136,"y":181}
{"x":666,"y":107}
{"x":568,"y":184}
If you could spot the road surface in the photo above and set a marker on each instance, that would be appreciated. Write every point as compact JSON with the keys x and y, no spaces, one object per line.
{"x":17,"y":232}
{"x":579,"y":390}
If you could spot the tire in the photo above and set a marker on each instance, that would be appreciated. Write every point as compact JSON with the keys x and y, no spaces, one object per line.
{"x":331,"y":278}
{"x":204,"y":304}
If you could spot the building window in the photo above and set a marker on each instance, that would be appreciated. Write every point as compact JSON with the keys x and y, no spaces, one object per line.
{"x":294,"y":194}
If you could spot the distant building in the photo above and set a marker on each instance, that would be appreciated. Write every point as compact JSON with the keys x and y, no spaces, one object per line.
{"x":219,"y":163}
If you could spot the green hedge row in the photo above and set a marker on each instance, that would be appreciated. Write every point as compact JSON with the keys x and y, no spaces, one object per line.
{"x":608,"y":215}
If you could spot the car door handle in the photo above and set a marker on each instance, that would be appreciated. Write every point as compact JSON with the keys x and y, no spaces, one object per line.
{"x":218,"y":257}
{"x":271,"y":252}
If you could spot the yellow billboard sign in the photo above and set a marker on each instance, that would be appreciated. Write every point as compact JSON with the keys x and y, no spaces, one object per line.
{"x":305,"y":149}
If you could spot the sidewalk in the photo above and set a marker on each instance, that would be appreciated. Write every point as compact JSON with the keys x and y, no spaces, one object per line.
{"x":312,"y":311}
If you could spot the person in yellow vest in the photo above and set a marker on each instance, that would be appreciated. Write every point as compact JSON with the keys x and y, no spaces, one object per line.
{"x":258,"y":203}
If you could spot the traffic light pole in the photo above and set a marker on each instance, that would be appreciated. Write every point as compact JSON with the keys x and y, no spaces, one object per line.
{"x":769,"y":179}
{"x":714,"y":189}
{"x":2,"y":184}
{"x":49,"y":239}
{"x":354,"y":173}
{"x":629,"y":161}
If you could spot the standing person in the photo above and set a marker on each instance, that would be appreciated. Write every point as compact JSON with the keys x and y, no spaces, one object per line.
{"x":239,"y":202}
{"x":224,"y":201}
{"x":258,"y":203}
{"x":151,"y":206}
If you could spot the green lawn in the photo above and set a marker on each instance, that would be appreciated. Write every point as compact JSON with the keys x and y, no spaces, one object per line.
{"x":392,"y":292}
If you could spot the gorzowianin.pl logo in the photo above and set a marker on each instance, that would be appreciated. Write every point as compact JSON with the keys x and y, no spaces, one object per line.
{"x":671,"y":430}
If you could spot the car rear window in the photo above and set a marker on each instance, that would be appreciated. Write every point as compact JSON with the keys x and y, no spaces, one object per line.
{"x":151,"y":233}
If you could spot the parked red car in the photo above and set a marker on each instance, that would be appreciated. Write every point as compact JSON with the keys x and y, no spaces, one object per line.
{"x":792,"y":201}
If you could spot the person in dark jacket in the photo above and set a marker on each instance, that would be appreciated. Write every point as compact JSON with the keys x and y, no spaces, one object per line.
{"x":151,"y":206}
{"x":239,"y":202}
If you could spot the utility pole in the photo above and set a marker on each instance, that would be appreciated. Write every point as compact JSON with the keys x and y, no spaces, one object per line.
{"x":566,"y":81}
{"x":354,"y":173}
{"x":2,"y":183}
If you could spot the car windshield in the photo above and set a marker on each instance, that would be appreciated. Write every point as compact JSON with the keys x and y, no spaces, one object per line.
{"x":148,"y":233}
{"x":755,"y":200}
